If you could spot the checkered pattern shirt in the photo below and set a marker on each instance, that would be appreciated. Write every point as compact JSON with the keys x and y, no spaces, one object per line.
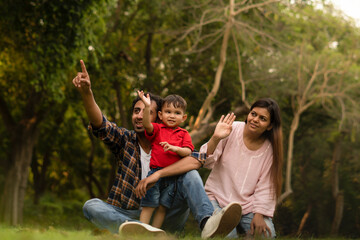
{"x":124,"y":145}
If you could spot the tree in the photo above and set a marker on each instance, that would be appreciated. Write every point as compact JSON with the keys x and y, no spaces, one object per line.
{"x":39,"y":40}
{"x":320,"y":76}
{"x":222,"y":20}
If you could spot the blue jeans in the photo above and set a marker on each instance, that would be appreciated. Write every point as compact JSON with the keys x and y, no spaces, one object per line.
{"x":245,"y":223}
{"x":190,"y":195}
{"x":162,"y":193}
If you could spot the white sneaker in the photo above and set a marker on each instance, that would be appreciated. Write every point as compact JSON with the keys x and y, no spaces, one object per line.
{"x":138,"y":228}
{"x":221,"y":223}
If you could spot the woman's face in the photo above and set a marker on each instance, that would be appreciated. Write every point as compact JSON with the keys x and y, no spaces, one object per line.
{"x":258,"y":120}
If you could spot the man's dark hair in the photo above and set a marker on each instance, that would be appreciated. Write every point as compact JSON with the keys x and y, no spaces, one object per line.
{"x":157,"y":99}
{"x":176,"y":100}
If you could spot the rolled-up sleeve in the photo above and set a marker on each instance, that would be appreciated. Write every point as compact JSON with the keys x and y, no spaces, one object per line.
{"x":211,"y":159}
{"x":201,"y":157}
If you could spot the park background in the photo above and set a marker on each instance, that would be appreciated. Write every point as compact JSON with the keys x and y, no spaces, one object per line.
{"x":219,"y":55}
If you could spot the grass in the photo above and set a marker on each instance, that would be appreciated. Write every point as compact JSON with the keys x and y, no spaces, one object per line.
{"x":57,"y":220}
{"x":7,"y":233}
{"x":13,"y":233}
{"x":53,"y":219}
{"x":23,"y":233}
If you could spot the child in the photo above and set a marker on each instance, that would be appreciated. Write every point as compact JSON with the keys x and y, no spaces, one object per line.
{"x":169,"y":143}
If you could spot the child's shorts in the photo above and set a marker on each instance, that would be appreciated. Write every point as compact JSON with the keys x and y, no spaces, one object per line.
{"x":162,"y":193}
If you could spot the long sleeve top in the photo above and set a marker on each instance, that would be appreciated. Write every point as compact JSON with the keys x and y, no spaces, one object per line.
{"x":241,"y":175}
{"x":124,"y":145}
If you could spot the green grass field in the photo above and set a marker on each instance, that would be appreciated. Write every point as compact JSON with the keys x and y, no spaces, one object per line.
{"x":59,"y":220}
{"x":12,"y":233}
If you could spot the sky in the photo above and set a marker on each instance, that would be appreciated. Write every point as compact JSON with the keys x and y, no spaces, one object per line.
{"x":350,"y":7}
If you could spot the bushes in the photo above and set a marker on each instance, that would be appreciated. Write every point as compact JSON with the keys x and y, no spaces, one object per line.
{"x":53,"y":211}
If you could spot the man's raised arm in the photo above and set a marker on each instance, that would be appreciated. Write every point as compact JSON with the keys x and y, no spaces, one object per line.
{"x":83,"y":84}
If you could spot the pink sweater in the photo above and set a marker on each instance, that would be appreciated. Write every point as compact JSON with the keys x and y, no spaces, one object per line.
{"x":240,"y":175}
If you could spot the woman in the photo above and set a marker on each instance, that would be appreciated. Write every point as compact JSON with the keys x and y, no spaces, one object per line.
{"x":246,"y":162}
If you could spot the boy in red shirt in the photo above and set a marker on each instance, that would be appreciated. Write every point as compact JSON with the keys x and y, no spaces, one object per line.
{"x":169,"y":143}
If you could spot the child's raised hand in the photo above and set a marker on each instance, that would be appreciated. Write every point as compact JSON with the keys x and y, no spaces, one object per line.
{"x":146,"y":99}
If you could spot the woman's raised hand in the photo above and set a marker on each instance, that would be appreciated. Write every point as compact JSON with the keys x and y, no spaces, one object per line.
{"x":224,"y":126}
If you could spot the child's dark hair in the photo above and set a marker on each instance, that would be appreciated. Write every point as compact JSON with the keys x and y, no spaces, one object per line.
{"x":176,"y":100}
{"x":157,"y":99}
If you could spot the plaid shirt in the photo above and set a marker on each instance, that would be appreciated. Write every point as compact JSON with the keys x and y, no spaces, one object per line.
{"x":124,"y":145}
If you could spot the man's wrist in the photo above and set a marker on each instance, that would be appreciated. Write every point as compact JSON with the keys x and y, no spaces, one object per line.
{"x":159,"y":173}
{"x":87,"y":94}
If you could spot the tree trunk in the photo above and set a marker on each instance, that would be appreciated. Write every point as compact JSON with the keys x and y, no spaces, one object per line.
{"x":205,"y":106}
{"x":149,"y":83}
{"x":337,"y":194}
{"x":304,"y":219}
{"x":16,"y":179}
{"x":39,"y":176}
{"x":293,"y":128}
{"x":123,"y":115}
{"x":339,"y":209}
{"x":89,"y":178}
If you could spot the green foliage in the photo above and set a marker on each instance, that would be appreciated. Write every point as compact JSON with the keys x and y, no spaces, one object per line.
{"x":54,"y":211}
{"x":40,"y":41}
{"x":129,"y":45}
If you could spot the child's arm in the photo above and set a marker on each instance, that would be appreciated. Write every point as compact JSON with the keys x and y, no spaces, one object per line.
{"x":146,"y":117}
{"x":181,"y":151}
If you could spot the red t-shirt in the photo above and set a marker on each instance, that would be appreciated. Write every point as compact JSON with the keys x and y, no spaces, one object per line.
{"x":176,"y":137}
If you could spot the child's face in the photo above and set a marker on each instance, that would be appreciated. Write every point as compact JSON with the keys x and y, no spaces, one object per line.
{"x":172,"y":116}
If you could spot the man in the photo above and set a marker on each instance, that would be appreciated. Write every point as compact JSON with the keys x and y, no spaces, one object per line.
{"x":132,"y":152}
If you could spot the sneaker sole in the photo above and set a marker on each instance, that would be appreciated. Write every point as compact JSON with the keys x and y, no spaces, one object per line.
{"x":135,"y":228}
{"x":229,"y":220}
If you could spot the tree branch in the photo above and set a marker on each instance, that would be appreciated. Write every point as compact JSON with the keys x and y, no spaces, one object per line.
{"x":241,"y":79}
{"x":254,"y":6}
{"x":219,"y":34}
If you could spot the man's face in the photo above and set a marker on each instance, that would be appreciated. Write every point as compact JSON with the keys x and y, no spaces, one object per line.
{"x":137,"y":115}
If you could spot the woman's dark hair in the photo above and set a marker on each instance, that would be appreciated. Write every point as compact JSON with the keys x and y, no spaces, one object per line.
{"x":275,"y":137}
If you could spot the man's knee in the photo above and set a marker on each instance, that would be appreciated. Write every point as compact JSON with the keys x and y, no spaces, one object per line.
{"x":89,"y":206}
{"x":192,"y":176}
{"x":190,"y":184}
